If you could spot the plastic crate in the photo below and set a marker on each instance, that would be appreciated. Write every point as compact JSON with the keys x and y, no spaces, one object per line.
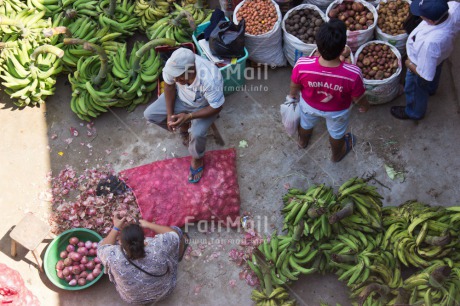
{"x":233,"y":74}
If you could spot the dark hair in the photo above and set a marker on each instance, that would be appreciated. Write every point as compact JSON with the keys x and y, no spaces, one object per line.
{"x":331,"y":39}
{"x":132,"y":241}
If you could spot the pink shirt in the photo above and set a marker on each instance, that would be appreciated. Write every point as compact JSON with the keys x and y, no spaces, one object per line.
{"x":328,"y":89}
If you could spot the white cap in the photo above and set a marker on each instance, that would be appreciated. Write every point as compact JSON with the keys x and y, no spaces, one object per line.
{"x":179,"y":62}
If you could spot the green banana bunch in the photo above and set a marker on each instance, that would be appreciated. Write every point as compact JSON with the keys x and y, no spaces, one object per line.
{"x":375,"y":294}
{"x":26,"y":24}
{"x":50,"y":7}
{"x":74,"y":9}
{"x":11,"y":6}
{"x":137,"y":76}
{"x":29,"y":75}
{"x":118,"y":16}
{"x":279,"y":296}
{"x":173,"y":28}
{"x":93,"y":87}
{"x":150,"y":11}
{"x":198,"y":12}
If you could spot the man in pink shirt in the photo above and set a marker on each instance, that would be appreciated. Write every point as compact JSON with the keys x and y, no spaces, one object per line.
{"x":327,"y":87}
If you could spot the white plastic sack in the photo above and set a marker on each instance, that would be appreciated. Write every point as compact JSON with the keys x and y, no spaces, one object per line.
{"x":399,"y":41}
{"x":265,"y":48}
{"x":321,"y":4}
{"x":382,"y":91}
{"x":352,"y":57}
{"x":355,"y":39}
{"x":293,"y":47}
{"x":290,"y":115}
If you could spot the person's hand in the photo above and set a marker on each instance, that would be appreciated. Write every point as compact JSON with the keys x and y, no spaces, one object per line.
{"x":407,"y":63}
{"x":117,"y":222}
{"x":364,"y":107}
{"x":177,"y":120}
{"x":143,"y":223}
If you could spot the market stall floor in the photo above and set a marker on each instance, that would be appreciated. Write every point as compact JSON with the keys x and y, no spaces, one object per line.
{"x":38,"y":140}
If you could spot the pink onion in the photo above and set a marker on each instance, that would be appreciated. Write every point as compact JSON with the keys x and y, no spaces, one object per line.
{"x":66,"y":271}
{"x":82,"y":250}
{"x":95,"y":245}
{"x":81,"y":281}
{"x":63,"y":254}
{"x":74,"y":240}
{"x":68,"y":278}
{"x":59,"y":274}
{"x":90,"y":277}
{"x":73,"y":282}
{"x":70,"y":248}
{"x":76,"y":270}
{"x":90,"y":265}
{"x":98,"y":266}
{"x":84,"y":260}
{"x":68,"y":261}
{"x":96,"y":272}
{"x":75,"y":256}
{"x":82,"y":267}
{"x":83,"y":274}
{"x":92,"y":252}
{"x":81,"y":244}
{"x":60,"y":265}
{"x":97,"y":260}
{"x":88,"y":244}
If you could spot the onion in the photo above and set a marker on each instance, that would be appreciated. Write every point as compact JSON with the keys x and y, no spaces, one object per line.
{"x":76,"y":270}
{"x":88,"y":244}
{"x":82,"y":250}
{"x":74,"y":240}
{"x":68,"y":261}
{"x":60,"y":265}
{"x":63,"y":254}
{"x":75,"y":256}
{"x":92,"y":252}
{"x":83,"y":274}
{"x":73,"y":282}
{"x":84,"y":260}
{"x":81,"y":244}
{"x":59,"y":274}
{"x":96,"y":272}
{"x":82,"y":267}
{"x":90,"y":265}
{"x":81,"y":281}
{"x":70,"y":248}
{"x":68,"y":278}
{"x":90,"y":277}
{"x":98,"y":266}
{"x":95,"y":245}
{"x":97,"y":260}
{"x":66,"y":271}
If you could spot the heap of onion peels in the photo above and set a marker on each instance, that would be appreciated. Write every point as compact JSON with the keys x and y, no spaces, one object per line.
{"x":76,"y":205}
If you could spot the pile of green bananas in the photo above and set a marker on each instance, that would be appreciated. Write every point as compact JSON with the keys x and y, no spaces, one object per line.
{"x":278,"y":296}
{"x":93,"y":87}
{"x":29,"y":72}
{"x":137,"y":76}
{"x":150,"y":11}
{"x":26,"y":24}
{"x":118,"y":16}
{"x":198,"y":12}
{"x":173,"y":28}
{"x":8,"y":6}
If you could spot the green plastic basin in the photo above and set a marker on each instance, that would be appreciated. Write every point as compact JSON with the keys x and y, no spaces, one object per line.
{"x":57,"y":246}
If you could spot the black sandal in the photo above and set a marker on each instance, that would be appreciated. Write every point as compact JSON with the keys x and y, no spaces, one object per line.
{"x":186,"y":244}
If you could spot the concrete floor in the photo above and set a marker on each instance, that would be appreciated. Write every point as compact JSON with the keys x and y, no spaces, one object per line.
{"x":427,"y":153}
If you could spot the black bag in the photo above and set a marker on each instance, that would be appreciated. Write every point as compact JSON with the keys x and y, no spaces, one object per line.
{"x":227,"y":39}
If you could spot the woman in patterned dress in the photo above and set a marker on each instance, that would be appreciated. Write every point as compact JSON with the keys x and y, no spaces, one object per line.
{"x":143,"y":269}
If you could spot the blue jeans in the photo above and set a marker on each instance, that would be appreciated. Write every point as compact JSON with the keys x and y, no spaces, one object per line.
{"x":417,"y":91}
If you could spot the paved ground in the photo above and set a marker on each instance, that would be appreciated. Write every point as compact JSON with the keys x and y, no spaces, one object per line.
{"x":427,"y":153}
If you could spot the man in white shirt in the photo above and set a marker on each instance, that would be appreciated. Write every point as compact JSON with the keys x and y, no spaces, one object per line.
{"x":193,"y":97}
{"x":428,"y":45}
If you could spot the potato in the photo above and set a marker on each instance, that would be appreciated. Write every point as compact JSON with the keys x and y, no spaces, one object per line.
{"x":354,"y":14}
{"x":391,"y":16}
{"x":260,"y":16}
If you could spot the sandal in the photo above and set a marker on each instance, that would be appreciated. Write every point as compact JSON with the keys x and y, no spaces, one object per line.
{"x":349,"y":146}
{"x":195,"y":172}
{"x":186,"y":240}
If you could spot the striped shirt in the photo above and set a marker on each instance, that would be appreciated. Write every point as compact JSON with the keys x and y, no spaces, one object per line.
{"x":328,"y":89}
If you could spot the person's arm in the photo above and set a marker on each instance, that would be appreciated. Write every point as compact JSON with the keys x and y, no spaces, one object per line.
{"x":363,"y":103}
{"x":170,"y":98}
{"x":294,"y":91}
{"x":112,"y":236}
{"x":159,"y":229}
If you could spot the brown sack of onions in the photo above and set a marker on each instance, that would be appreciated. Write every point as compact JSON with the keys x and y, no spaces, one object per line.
{"x":390,"y":24}
{"x":380,"y":63}
{"x":359,"y":16}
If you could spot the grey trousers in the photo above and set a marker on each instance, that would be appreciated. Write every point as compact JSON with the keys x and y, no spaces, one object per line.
{"x":156,"y":113}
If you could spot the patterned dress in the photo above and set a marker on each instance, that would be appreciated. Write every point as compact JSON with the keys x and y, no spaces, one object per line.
{"x":135,"y":286}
